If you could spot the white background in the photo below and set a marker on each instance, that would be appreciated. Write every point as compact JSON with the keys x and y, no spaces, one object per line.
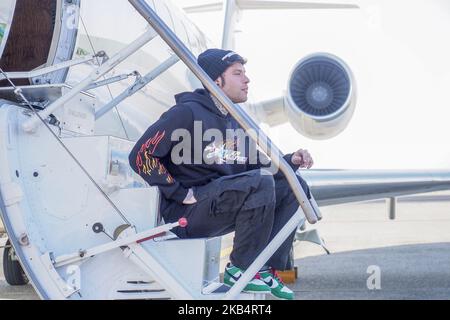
{"x":399,"y":51}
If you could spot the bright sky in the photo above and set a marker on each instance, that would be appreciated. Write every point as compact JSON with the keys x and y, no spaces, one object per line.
{"x":400,"y":55}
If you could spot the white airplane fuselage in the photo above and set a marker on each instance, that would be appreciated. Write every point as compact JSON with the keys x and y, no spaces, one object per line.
{"x":49,"y":206}
{"x":98,"y":31}
{"x":52,"y":202}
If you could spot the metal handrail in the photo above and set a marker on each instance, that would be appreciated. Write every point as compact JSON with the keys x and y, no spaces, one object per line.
{"x":40,"y":72}
{"x":138,"y":85}
{"x":251,"y":127}
{"x":31,"y":124}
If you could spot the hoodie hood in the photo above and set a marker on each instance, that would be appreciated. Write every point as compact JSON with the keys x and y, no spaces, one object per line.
{"x":207,"y":156}
{"x":200,"y":96}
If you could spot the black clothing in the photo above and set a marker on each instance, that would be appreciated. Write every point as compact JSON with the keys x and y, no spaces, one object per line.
{"x":232,"y":193}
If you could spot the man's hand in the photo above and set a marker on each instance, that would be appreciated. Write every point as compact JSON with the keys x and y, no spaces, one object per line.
{"x":302,"y":158}
{"x":190,"y":199}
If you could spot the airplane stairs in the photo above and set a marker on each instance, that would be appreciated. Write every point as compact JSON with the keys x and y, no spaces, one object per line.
{"x":52,"y":210}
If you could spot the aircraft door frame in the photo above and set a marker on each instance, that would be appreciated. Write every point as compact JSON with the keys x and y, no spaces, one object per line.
{"x":7,"y":8}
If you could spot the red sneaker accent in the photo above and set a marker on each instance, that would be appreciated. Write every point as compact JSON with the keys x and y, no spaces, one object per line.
{"x":276,"y":275}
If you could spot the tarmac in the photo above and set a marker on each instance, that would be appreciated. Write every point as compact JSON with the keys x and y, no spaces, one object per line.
{"x":372,"y":257}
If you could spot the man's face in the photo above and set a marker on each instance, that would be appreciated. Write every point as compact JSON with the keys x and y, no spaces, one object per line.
{"x":235,"y":84}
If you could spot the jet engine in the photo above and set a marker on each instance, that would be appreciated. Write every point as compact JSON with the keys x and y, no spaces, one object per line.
{"x":321,"y":96}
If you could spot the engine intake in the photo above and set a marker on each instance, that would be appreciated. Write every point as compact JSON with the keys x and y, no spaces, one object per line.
{"x":321,"y":96}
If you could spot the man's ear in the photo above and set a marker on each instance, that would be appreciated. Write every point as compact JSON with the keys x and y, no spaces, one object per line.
{"x":219,"y":82}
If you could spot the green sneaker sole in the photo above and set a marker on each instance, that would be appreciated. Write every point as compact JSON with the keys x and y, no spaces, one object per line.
{"x":283,"y":296}
{"x":250,"y":290}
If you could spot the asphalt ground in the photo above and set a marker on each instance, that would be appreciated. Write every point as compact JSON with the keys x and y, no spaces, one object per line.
{"x":372,"y":257}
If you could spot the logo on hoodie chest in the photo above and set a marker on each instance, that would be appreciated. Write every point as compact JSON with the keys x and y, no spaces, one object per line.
{"x":224,"y":152}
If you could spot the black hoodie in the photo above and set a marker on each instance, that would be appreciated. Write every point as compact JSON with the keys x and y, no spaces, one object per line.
{"x":156,"y":155}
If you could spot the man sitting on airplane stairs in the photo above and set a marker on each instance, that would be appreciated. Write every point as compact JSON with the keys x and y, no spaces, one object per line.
{"x":220,"y":186}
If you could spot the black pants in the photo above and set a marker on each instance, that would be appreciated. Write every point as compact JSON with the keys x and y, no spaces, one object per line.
{"x":255,"y":204}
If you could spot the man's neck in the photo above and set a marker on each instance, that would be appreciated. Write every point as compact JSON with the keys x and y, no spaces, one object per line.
{"x":219,"y":105}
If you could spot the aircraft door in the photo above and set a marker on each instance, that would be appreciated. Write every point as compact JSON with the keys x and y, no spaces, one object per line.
{"x":35,"y":34}
{"x":6,"y":16}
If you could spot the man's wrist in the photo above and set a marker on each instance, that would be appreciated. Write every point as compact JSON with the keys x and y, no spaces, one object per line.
{"x":291,"y":161}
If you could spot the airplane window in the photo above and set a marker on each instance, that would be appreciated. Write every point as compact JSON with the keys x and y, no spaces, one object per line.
{"x":2,"y":31}
{"x":163,"y":12}
{"x":195,"y":36}
{"x":179,"y":29}
{"x":190,"y":42}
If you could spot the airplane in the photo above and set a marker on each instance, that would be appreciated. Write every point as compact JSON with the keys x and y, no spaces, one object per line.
{"x":77,"y":88}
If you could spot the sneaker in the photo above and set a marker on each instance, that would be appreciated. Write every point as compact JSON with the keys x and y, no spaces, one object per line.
{"x":256,"y":285}
{"x":276,"y":285}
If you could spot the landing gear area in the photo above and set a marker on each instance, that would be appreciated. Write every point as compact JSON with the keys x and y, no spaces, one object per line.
{"x":14,"y":274}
